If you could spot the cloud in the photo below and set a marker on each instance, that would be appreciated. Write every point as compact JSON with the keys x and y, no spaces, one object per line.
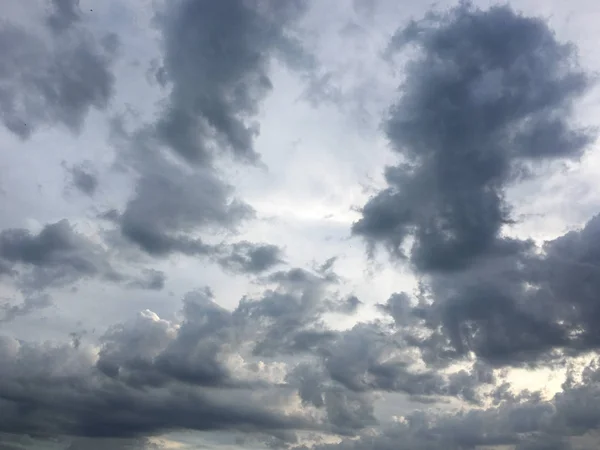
{"x":152,"y":352}
{"x":151,"y":279}
{"x":490,"y":93}
{"x":529,"y":308}
{"x":52,"y":80}
{"x":169,"y":204}
{"x":211,"y":109}
{"x":83,"y":179}
{"x":56,"y":255}
{"x":306,"y":355}
{"x":65,"y":13}
{"x":562,"y":422}
{"x":247,"y":257}
{"x":75,"y":399}
{"x":162,"y":374}
{"x":30,"y":303}
{"x":59,"y":256}
{"x":477,"y":111}
{"x":215,"y":97}
{"x":289,"y":316}
{"x":207,"y":370}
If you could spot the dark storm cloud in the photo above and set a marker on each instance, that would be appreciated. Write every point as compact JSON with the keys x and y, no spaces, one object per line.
{"x":83,"y":179}
{"x":54,"y":80}
{"x":56,"y":391}
{"x":151,"y":352}
{"x":490,"y":92}
{"x":528,"y":308}
{"x":247,"y":257}
{"x":216,"y":94}
{"x":149,"y":377}
{"x":152,"y":376}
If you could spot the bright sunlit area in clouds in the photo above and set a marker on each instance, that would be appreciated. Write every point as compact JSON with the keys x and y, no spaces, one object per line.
{"x":299,"y":224}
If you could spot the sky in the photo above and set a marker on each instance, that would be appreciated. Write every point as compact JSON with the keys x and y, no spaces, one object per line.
{"x":299,"y":224}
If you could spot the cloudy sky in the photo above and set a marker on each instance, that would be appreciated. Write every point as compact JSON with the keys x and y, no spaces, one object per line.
{"x":311,"y":224}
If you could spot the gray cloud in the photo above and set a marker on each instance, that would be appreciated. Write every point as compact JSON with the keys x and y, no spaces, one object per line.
{"x":64,"y":14}
{"x":477,"y":111}
{"x":346,"y":411}
{"x":83,"y":179}
{"x":528,"y":308}
{"x":56,"y":80}
{"x":289,"y":317}
{"x":247,"y":257}
{"x":150,"y":279}
{"x":566,"y":421}
{"x":56,"y":391}
{"x":30,"y":303}
{"x":171,"y":203}
{"x":58,"y":256}
{"x":490,"y":92}
{"x":151,"y":375}
{"x":216,"y":96}
{"x":150,"y":352}
{"x":164,"y":376}
{"x":210,"y":111}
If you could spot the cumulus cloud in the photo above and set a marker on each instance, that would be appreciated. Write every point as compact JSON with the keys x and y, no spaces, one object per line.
{"x":525,"y":309}
{"x":490,"y":93}
{"x":75,"y":399}
{"x":209,"y":370}
{"x":478,"y":110}
{"x":566,"y":421}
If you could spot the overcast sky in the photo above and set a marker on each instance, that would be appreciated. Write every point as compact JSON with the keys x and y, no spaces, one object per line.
{"x":313,"y":224}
